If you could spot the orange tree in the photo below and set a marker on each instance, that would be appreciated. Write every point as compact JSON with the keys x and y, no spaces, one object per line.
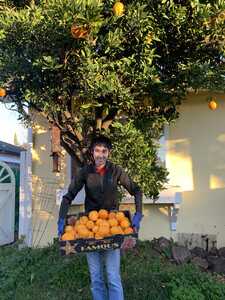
{"x":117,"y":68}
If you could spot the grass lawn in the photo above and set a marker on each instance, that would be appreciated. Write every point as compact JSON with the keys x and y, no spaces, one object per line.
{"x":42,"y":274}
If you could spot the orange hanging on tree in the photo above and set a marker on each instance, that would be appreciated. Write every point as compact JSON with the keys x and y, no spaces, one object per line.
{"x":149,"y":38}
{"x":2,"y":92}
{"x":212,"y":104}
{"x":118,"y":9}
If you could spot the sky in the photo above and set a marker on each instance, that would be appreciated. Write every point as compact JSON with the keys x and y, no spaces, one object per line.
{"x":9,"y":125}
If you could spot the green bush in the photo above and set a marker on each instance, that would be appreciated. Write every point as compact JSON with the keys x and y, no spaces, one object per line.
{"x":36,"y":274}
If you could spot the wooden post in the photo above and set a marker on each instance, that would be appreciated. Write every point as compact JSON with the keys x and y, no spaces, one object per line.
{"x":25,"y":207}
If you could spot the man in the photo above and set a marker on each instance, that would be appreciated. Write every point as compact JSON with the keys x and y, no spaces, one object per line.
{"x":101,"y":180}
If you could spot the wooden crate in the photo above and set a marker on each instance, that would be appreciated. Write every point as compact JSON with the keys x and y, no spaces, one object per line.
{"x":90,"y":245}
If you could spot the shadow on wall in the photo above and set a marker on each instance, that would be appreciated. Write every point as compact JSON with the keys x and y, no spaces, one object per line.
{"x":44,"y":210}
{"x":196,"y":147}
{"x":196,"y":162}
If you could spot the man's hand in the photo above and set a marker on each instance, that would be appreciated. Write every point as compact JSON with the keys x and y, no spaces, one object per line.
{"x":61,"y":224}
{"x":72,"y":220}
{"x":128,"y":243}
{"x":137,"y":220}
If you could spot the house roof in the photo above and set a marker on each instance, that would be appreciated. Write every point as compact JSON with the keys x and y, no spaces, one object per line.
{"x":10,"y":149}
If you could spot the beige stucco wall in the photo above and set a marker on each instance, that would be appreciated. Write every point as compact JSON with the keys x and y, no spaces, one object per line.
{"x":195,"y":158}
{"x":196,"y":161}
{"x":45,"y":183}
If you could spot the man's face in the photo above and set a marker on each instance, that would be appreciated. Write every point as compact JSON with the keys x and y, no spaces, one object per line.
{"x":100,"y":155}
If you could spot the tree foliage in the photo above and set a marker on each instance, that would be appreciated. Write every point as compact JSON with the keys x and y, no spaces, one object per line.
{"x":89,"y":71}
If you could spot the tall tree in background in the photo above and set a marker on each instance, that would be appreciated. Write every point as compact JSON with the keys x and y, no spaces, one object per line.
{"x":118,"y":68}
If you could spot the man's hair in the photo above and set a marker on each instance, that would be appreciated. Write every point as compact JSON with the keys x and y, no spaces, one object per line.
{"x":101,"y":140}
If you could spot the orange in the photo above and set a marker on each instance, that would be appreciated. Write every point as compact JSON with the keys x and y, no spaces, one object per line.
{"x":112,"y":215}
{"x":99,"y":222}
{"x":113,"y":222}
{"x":91,"y":235}
{"x":116,"y":230}
{"x":90,"y":224}
{"x":80,"y":228}
{"x":84,"y":233}
{"x":120,"y":230}
{"x":98,"y":236}
{"x":2,"y":92}
{"x":128,"y":230}
{"x":125,"y":223}
{"x":120,"y":215}
{"x":212,"y":105}
{"x":105,"y":223}
{"x":77,"y":223}
{"x":76,"y":226}
{"x":83,"y":220}
{"x":68,"y":236}
{"x":68,"y":228}
{"x":93,"y":215}
{"x":103,"y":214}
{"x":118,"y":9}
{"x":103,"y":231}
{"x":95,"y":228}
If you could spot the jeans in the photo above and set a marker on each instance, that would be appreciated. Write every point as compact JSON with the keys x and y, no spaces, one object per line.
{"x":96,"y":262}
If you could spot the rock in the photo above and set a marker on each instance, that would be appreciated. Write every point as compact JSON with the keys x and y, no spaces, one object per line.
{"x":200,"y":262}
{"x":211,"y":260}
{"x":181,"y":254}
{"x":163,"y":246}
{"x":213,"y":252}
{"x":160,"y":244}
{"x":154,"y":253}
{"x":198,"y":251}
{"x":217,"y":264}
{"x":163,"y":242}
{"x":220,"y":278}
{"x":222,"y":252}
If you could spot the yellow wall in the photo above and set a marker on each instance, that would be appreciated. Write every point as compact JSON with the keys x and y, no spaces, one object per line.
{"x":195,"y":159}
{"x":45,"y":183}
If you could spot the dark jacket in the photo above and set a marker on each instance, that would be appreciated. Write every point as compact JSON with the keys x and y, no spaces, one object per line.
{"x":101,"y":191}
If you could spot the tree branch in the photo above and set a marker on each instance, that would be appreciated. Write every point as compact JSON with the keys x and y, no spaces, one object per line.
{"x":70,"y":151}
{"x":109,"y":118}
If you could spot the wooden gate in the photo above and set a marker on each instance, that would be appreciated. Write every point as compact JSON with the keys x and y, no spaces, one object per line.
{"x":7,"y":204}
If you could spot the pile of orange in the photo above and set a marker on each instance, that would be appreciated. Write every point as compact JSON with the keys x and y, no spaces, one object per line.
{"x":98,"y":225}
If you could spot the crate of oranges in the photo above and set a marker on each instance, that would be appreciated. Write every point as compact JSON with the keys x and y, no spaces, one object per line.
{"x":97,"y":230}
